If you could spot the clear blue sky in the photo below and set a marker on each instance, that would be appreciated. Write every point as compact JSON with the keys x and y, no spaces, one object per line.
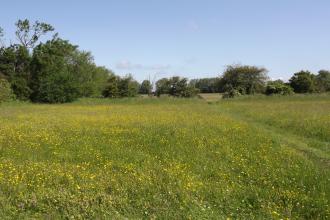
{"x":188,"y":37}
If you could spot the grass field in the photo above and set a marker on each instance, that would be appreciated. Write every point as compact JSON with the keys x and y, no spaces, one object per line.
{"x":264,"y":158}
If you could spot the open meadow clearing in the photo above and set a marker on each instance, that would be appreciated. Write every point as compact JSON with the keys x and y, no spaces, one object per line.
{"x":263,"y":157}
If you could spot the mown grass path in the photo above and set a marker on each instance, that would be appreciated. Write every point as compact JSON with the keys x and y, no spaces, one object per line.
{"x":319,"y":154}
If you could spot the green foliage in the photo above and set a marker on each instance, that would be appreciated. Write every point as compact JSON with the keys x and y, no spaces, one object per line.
{"x":127,"y":86}
{"x":303,"y":82}
{"x":52,"y":78}
{"x":189,"y":91}
{"x":6,"y":94}
{"x":15,"y":67}
{"x":98,"y":80}
{"x":231,"y":93}
{"x":62,"y":73}
{"x":322,"y":81}
{"x":91,"y":79}
{"x":245,"y":79}
{"x":175,"y":86}
{"x":206,"y":85}
{"x":146,"y":87}
{"x":121,"y":87}
{"x":163,"y":86}
{"x":55,"y":71}
{"x":278,"y":87}
{"x":111,"y":89}
{"x":28,"y":34}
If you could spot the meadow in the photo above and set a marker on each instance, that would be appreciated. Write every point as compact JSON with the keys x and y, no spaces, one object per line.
{"x":246,"y":158}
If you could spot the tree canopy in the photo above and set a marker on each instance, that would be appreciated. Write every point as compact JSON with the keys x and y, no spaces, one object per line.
{"x":322,"y":81}
{"x":56,"y":71}
{"x":302,"y":82}
{"x":28,"y":35}
{"x":117,"y":87}
{"x":146,"y":87}
{"x":206,"y":85}
{"x":278,"y":87}
{"x":52,"y":71}
{"x":175,"y":86}
{"x":245,"y":79}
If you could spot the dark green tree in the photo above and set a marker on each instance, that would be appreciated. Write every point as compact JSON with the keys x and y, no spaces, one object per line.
{"x":128,"y":87}
{"x":163,"y":86}
{"x":303,"y":82}
{"x":121,"y":87}
{"x":15,"y":60}
{"x":146,"y":87}
{"x":323,"y":81}
{"x":245,"y":79}
{"x":111,"y":87}
{"x":55,"y":71}
{"x":175,"y":86}
{"x":53,"y":80}
{"x":206,"y":85}
{"x":15,"y":67}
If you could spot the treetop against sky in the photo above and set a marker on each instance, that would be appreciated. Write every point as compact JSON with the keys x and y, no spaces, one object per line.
{"x":188,"y":38}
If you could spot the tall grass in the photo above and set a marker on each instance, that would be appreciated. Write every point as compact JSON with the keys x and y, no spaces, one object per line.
{"x":164,"y":158}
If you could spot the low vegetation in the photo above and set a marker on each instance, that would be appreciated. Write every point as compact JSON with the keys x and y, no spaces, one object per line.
{"x":6,"y":94}
{"x":246,"y":158}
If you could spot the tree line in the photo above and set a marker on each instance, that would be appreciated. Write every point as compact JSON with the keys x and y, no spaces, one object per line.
{"x":56,"y":71}
{"x":52,"y":71}
{"x":248,"y":80}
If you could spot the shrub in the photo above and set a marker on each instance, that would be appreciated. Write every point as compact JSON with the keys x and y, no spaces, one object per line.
{"x":21,"y":88}
{"x":190,"y":91}
{"x":278,"y":87}
{"x":6,"y":92}
{"x":231,"y":94}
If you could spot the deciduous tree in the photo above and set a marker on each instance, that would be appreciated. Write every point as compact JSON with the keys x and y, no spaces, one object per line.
{"x":303,"y":82}
{"x":28,"y":35}
{"x":146,"y":87}
{"x":323,"y":81}
{"x":245,"y":79}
